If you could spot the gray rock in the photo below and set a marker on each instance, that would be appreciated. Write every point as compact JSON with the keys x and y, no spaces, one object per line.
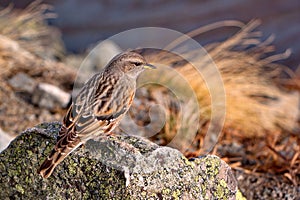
{"x":5,"y":139}
{"x":119,"y":167}
{"x":49,"y":96}
{"x":22,"y":82}
{"x":44,"y":95}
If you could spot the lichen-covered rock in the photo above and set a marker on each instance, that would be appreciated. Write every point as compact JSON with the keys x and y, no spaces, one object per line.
{"x":119,"y":167}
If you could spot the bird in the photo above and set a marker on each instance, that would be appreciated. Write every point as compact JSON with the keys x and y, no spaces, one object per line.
{"x":98,"y":108}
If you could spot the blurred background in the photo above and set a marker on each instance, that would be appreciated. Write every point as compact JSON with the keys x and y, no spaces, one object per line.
{"x":83,"y":23}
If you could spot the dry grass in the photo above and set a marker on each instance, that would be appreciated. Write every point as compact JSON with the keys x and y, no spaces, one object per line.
{"x":255,"y":104}
{"x":28,"y":28}
{"x":28,"y":45}
{"x":261,"y":103}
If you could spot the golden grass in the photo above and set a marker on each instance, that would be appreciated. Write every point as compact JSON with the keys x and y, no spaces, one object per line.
{"x":28,"y":45}
{"x":261,"y":102}
{"x":255,"y":104}
{"x":28,"y":28}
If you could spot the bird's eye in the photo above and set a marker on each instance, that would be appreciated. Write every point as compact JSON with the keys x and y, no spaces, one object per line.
{"x":137,"y":63}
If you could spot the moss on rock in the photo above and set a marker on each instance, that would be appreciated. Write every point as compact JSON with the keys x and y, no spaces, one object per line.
{"x":120,"y":167}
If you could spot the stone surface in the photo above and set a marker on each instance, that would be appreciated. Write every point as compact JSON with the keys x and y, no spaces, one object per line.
{"x":120,"y":167}
{"x":50,"y":96}
{"x":266,"y":186}
{"x":44,"y":95}
{"x":5,"y":139}
{"x":22,"y":82}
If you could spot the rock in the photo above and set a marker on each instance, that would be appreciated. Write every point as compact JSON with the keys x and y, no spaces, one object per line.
{"x":22,"y":82}
{"x":44,"y":95}
{"x":267,"y":186}
{"x":119,"y":167}
{"x":49,"y":96}
{"x":5,"y":139}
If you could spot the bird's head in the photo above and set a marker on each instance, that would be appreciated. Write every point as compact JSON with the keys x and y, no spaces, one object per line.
{"x":130,"y":63}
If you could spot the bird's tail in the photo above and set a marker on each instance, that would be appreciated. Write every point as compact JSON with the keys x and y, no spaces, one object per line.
{"x":63,"y":147}
{"x":50,"y":163}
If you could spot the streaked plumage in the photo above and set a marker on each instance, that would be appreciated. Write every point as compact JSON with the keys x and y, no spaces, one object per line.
{"x":98,"y":107}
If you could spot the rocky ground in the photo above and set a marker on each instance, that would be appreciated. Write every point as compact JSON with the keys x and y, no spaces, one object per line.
{"x":118,"y":167}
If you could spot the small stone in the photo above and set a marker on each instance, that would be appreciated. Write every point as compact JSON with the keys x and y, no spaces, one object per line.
{"x":22,"y":82}
{"x":49,"y":96}
{"x":5,"y":139}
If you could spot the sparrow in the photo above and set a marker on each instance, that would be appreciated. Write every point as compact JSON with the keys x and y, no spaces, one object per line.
{"x":98,"y":108}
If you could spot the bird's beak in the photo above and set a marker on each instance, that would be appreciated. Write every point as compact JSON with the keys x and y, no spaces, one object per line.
{"x":149,"y":66}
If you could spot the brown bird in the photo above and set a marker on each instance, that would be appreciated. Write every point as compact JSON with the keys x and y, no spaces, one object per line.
{"x":98,"y":108}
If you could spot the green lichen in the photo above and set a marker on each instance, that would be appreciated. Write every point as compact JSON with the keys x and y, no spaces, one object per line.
{"x":187,"y":162}
{"x":83,"y":175}
{"x":212,"y":166}
{"x":166,"y":191}
{"x":144,"y":194}
{"x":221,"y":191}
{"x":203,"y":189}
{"x":176,"y":194}
{"x":72,"y":166}
{"x":198,"y":161}
{"x":42,"y":125}
{"x":20,"y":189}
{"x":239,"y":196}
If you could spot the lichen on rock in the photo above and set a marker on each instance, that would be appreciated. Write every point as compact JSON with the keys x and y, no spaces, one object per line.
{"x":118,"y":167}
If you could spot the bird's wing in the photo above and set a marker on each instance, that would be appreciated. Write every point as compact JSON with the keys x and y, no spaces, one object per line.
{"x":112,"y":100}
{"x":98,"y":109}
{"x":115,"y":108}
{"x":81,"y":125}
